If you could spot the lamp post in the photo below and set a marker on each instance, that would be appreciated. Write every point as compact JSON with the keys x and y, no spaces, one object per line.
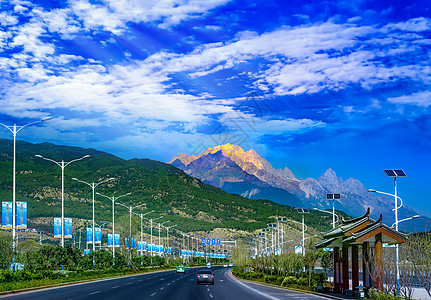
{"x":62,"y":165}
{"x":333,"y":197}
{"x":167,"y":237}
{"x":394,"y":173}
{"x":151,"y":236}
{"x":93,"y":186}
{"x":160,"y":224}
{"x":142,"y":217}
{"x":14,"y":130}
{"x":130,"y":208}
{"x":113,"y":199}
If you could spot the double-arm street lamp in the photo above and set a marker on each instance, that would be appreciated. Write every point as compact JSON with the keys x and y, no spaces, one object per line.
{"x":130,"y":208}
{"x":142,"y":222}
{"x":160,"y":224}
{"x":113,"y":199}
{"x":151,"y":236}
{"x":93,"y":186}
{"x":15,"y":129}
{"x":62,"y":164}
{"x":395,"y":173}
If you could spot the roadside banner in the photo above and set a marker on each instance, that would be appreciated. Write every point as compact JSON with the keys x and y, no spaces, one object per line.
{"x":144,"y":246}
{"x":89,"y":235}
{"x":117,"y":240}
{"x":203,"y":241}
{"x":139,"y":248}
{"x":6,"y":215}
{"x":218,"y":242}
{"x":298,"y":249}
{"x":110,"y":240}
{"x":21,"y":215}
{"x":133,"y":244}
{"x":98,"y":235}
{"x":86,"y":251}
{"x":126,"y":243}
{"x":169,"y":250}
{"x":57,"y":227}
{"x":68,"y":228}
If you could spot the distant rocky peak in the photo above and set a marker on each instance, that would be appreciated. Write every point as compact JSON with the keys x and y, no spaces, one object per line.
{"x":329,"y":176}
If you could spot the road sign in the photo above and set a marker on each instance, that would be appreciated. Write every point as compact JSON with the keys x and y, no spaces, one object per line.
{"x":298,"y":249}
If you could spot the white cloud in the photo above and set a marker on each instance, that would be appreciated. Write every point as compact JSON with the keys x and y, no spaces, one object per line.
{"x":415,"y":25}
{"x":7,"y":19}
{"x":113,"y":15}
{"x":422,"y":99}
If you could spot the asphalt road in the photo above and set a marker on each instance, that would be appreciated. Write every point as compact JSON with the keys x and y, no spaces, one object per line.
{"x":165,"y":286}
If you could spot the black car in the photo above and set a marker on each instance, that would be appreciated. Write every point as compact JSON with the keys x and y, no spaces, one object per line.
{"x":205,"y":276}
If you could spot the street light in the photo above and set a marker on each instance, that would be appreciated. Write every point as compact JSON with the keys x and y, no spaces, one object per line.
{"x":15,"y":129}
{"x":113,"y":199}
{"x":333,"y":197}
{"x":328,"y":212}
{"x":151,"y":236}
{"x":93,"y":186}
{"x":62,"y":165}
{"x":142,"y":217}
{"x":303,"y":211}
{"x":167,"y":236}
{"x":394,"y":173}
{"x":160,"y":224}
{"x":130,"y":208}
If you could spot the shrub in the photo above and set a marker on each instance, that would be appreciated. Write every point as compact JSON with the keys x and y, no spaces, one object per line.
{"x":290,"y":280}
{"x":302,"y":281}
{"x":273,"y":279}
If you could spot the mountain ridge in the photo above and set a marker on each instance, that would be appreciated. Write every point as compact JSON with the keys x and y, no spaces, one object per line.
{"x":309,"y":192}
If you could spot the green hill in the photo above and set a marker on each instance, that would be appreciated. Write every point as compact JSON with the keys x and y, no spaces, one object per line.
{"x":184,"y":200}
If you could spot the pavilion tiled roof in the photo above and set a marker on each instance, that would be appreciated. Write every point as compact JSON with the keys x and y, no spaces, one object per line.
{"x":357,"y":229}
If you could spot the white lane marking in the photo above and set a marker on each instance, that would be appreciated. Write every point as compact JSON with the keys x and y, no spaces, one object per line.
{"x":252,"y":289}
{"x":221,"y":280}
{"x":169,"y":283}
{"x":208,"y":289}
{"x":152,"y":294}
{"x":114,"y":287}
{"x":133,"y":278}
{"x":211,"y":296}
{"x":129,"y":283}
{"x":96,"y":292}
{"x":162,"y":288}
{"x":140,"y":280}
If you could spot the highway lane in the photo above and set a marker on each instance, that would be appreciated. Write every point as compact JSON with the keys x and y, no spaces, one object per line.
{"x":165,"y":286}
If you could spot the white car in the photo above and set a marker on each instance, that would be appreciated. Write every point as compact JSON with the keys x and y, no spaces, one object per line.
{"x":225,"y":266}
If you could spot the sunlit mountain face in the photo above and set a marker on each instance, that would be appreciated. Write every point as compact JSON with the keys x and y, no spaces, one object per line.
{"x":309,"y":84}
{"x":249,"y":174}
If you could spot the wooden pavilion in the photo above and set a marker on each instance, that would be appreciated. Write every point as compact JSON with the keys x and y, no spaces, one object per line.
{"x":354,"y":238}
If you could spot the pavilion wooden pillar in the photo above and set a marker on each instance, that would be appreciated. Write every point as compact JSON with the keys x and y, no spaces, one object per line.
{"x":336,"y":269}
{"x":355,"y":267}
{"x":345,"y":266}
{"x":378,"y":248}
{"x":366,"y":265}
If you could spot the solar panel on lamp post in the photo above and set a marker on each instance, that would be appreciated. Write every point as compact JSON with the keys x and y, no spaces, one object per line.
{"x":394,"y":173}
{"x":333,"y":197}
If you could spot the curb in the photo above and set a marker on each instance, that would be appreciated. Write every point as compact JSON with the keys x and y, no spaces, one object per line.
{"x":291,"y":289}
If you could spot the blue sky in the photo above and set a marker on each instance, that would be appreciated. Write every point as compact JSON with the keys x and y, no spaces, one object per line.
{"x":310,"y":85}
